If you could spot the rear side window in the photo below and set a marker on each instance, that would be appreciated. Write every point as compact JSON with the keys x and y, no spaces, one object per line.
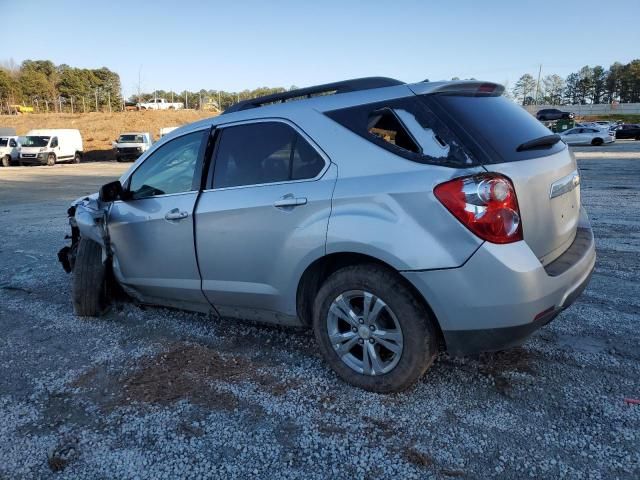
{"x":492,"y":127}
{"x":408,"y":128}
{"x":264,"y":152}
{"x":385,"y":125}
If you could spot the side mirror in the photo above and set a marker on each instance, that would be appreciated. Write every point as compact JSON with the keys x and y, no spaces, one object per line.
{"x":111,"y":192}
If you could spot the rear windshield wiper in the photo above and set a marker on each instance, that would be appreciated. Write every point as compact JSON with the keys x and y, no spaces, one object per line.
{"x":542,"y":142}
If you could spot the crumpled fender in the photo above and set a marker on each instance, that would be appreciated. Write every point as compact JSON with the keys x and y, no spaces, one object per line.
{"x":91,"y":219}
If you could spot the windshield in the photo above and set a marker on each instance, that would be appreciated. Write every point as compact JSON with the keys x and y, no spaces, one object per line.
{"x":35,"y":141}
{"x":131,"y":139}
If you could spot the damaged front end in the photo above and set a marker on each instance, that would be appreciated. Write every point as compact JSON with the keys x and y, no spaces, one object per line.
{"x":87,"y":218}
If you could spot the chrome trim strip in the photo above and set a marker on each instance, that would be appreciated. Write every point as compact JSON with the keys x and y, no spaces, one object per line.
{"x":565,"y":184}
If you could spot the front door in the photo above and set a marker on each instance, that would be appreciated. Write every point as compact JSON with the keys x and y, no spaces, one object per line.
{"x":151,"y":231}
{"x":263,"y":217}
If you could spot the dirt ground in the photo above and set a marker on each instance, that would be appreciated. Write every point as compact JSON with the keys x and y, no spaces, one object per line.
{"x":156,"y":393}
{"x":98,"y":130}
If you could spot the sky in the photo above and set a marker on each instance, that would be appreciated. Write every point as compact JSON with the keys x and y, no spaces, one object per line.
{"x":237,"y":45}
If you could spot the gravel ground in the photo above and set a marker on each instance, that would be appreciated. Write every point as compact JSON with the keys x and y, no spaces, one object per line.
{"x":155,"y":393}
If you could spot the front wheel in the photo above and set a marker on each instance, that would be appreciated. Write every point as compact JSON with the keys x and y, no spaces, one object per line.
{"x":6,"y":161}
{"x":51,"y":159}
{"x":89,"y":289}
{"x":372,"y":330}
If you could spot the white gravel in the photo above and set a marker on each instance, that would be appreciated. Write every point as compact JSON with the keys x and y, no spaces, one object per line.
{"x":552,"y":409}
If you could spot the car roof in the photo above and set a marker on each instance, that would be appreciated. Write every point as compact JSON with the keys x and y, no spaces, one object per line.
{"x":373,"y":89}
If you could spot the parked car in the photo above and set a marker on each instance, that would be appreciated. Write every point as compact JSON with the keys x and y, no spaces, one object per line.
{"x":9,"y":150}
{"x":160,"y":104}
{"x":392,"y":219}
{"x":587,"y":136}
{"x":628,"y":130}
{"x":129,"y":146}
{"x":552,"y":114}
{"x":52,"y":145}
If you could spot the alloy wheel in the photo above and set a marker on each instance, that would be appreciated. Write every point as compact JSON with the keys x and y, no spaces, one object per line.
{"x":364,"y":332}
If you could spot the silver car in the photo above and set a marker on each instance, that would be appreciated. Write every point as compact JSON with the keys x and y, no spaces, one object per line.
{"x":393,"y":219}
{"x":587,"y":136}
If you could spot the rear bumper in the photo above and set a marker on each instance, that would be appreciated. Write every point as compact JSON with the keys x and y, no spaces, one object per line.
{"x":502,"y":294}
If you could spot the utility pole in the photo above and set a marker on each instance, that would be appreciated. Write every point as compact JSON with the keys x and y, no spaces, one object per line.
{"x":84,"y":105}
{"x":72,"y":105}
{"x":96,"y":99}
{"x":538,"y":84}
{"x":109,"y":100}
{"x":186,"y":99}
{"x":60,"y":102}
{"x":139,"y":86}
{"x":219,"y":104}
{"x":200,"y":102}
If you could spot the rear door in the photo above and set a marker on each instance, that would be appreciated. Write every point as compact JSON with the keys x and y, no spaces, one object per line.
{"x":545,"y":178}
{"x":152,"y":231}
{"x":262,"y":219}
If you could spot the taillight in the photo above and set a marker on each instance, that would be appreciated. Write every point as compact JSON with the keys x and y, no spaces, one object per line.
{"x":486,"y":204}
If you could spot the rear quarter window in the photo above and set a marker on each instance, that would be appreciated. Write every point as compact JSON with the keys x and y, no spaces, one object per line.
{"x":408,"y":128}
{"x":492,"y":127}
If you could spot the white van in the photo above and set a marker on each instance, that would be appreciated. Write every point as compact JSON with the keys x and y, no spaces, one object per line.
{"x":9,"y":150}
{"x":51,"y":145}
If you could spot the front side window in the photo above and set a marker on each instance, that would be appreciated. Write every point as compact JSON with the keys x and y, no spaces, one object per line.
{"x":264,"y":152}
{"x":54,"y":142}
{"x":13,"y":143}
{"x":170,"y":169}
{"x":3,"y":142}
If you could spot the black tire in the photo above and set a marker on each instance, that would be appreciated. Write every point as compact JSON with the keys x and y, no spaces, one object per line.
{"x":6,"y":161}
{"x":118,"y":159}
{"x":89,"y":280}
{"x":418,"y":331}
{"x":51,"y":159}
{"x":596,"y":142}
{"x":77,"y":157}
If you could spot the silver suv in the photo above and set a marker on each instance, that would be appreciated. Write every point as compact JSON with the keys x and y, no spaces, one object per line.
{"x":394,"y":219}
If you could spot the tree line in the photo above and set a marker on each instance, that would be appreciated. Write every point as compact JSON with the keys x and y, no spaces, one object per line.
{"x":61,"y":88}
{"x":203,"y":98}
{"x":590,"y":85}
{"x":55,"y":88}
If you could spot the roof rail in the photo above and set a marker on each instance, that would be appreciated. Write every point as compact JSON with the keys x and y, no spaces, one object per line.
{"x":345,"y":86}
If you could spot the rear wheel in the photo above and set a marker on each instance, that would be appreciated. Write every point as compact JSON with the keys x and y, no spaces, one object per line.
{"x":77,"y":157}
{"x":89,"y":280}
{"x":372,"y":330}
{"x":51,"y":159}
{"x":6,"y":161}
{"x":596,"y":142}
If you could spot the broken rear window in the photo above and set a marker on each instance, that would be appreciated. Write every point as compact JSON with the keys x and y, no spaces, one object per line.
{"x":408,"y":128}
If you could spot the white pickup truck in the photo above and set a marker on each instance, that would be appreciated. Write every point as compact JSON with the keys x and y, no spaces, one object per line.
{"x":160,"y":104}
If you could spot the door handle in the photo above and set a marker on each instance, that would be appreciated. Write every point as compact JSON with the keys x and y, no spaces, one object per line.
{"x":290,"y":201}
{"x":175,"y":214}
